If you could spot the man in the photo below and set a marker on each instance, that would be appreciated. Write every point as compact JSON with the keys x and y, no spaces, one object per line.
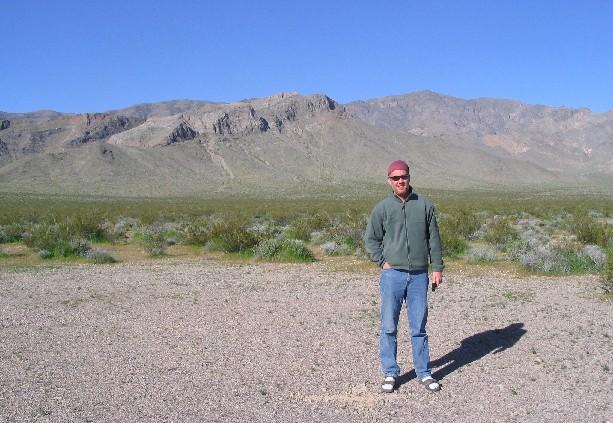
{"x":402,"y":238}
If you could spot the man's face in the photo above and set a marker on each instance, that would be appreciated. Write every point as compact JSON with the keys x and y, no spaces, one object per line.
{"x":399,"y":181}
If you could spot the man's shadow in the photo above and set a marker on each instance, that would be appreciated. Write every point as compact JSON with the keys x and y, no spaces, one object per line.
{"x":472,"y":349}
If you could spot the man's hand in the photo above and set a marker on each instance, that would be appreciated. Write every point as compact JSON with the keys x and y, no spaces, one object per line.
{"x":386,"y":265}
{"x":437,"y":279}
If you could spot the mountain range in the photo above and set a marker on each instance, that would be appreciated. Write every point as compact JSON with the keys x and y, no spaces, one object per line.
{"x":291,"y":144}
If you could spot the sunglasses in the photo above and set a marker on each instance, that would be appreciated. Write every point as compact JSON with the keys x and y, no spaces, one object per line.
{"x":399,"y":177}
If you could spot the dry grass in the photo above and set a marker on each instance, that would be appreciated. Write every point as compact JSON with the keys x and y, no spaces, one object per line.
{"x":18,"y":255}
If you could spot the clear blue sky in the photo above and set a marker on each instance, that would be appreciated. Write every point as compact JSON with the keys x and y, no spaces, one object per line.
{"x":86,"y":56}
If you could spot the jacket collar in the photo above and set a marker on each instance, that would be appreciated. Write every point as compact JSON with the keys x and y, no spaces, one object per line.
{"x":411,"y":196}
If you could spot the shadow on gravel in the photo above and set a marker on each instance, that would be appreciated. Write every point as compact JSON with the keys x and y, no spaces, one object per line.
{"x":472,"y":349}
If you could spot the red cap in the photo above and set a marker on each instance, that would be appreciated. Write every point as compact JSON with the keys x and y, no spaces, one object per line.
{"x":398,"y":165}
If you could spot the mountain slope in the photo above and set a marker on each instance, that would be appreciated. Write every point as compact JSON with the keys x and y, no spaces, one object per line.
{"x":555,"y":138}
{"x":288,"y":143}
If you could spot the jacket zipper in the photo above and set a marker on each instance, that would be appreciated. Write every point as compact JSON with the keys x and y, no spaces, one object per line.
{"x":406,"y":234}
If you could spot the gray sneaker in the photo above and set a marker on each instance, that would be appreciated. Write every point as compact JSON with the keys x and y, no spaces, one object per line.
{"x":431,"y":384}
{"x":388,"y":385}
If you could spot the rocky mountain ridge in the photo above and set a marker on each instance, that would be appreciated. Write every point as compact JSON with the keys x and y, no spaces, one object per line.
{"x":289,"y":142}
{"x":564,"y":137}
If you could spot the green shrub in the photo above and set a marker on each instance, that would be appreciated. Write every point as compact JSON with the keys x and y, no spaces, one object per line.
{"x":82,"y":226}
{"x":173,"y":236}
{"x":291,"y":250}
{"x":120,"y":231}
{"x":100,"y":257}
{"x":590,"y":231}
{"x":577,"y":263}
{"x":214,"y":244}
{"x":558,"y":259}
{"x":460,"y":222}
{"x":197,"y":232}
{"x":501,"y":234}
{"x":481,"y":254}
{"x":607,"y":271}
{"x":69,"y":228}
{"x":301,"y":228}
{"x":231,"y":236}
{"x":42,"y":235}
{"x":55,"y":240}
{"x":453,"y":245}
{"x":62,"y":248}
{"x":12,"y":232}
{"x":346,"y":230}
{"x":455,"y":228}
{"x":153,"y":239}
{"x":517,"y":247}
{"x":264,"y":227}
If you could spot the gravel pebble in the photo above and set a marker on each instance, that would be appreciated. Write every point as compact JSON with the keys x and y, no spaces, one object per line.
{"x":214,"y":342}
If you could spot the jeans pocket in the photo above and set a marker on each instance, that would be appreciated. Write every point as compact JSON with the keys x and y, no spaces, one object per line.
{"x":386,"y":275}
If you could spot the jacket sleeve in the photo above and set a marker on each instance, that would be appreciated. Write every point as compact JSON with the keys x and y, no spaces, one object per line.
{"x":434,"y":242}
{"x":373,"y":237}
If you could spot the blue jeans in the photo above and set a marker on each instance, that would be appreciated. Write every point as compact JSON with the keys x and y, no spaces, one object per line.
{"x":397,"y":286}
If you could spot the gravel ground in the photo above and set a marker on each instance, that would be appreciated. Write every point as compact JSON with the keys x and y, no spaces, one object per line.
{"x":215,"y":342}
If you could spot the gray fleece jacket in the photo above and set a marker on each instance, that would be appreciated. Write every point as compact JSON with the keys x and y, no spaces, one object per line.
{"x":404,"y":234}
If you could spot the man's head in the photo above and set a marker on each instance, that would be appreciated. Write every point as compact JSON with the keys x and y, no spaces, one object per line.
{"x":398,"y":177}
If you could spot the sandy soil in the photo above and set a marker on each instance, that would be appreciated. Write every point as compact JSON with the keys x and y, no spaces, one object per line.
{"x":295,"y":343}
